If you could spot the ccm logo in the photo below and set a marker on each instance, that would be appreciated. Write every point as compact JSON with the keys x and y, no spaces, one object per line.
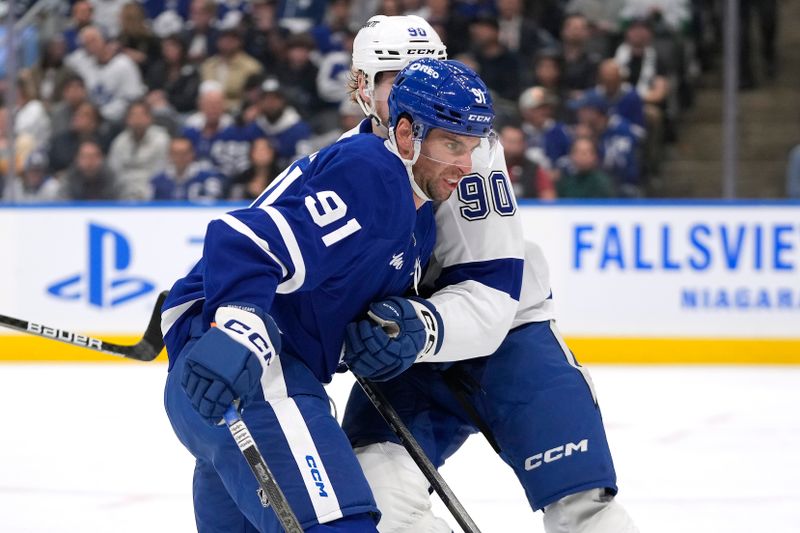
{"x":316,"y":476}
{"x":422,"y":52}
{"x":480,"y":118}
{"x":554,"y":454}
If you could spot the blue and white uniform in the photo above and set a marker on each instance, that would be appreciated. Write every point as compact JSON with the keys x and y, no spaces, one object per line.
{"x":334,"y":232}
{"x":530,"y":392}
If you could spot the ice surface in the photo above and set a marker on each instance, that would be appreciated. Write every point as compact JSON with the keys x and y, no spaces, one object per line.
{"x":88,"y":448}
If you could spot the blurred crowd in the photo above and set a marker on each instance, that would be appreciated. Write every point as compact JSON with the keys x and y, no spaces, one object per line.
{"x":201,"y":100}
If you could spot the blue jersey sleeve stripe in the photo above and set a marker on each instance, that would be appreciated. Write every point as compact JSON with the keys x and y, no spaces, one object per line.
{"x":504,"y":275}
{"x":297,"y":279}
{"x":241,"y":227}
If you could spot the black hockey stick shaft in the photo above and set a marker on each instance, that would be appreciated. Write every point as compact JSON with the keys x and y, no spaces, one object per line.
{"x":271,"y":493}
{"x":147,"y":349}
{"x":418,"y":454}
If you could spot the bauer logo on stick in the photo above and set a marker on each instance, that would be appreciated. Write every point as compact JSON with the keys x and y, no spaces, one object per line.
{"x":66,"y":336}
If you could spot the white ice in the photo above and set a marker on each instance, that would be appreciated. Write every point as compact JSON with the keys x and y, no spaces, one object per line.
{"x":88,"y":448}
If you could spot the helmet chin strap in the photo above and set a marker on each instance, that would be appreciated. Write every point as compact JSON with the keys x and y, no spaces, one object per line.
{"x":391,"y":144}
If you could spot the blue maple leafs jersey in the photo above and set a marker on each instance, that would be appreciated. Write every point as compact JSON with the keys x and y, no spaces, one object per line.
{"x":336,"y":231}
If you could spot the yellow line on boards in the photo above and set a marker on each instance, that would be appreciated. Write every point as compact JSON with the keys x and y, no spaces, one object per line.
{"x":31,"y":349}
{"x":685,"y":351}
{"x":590,"y":350}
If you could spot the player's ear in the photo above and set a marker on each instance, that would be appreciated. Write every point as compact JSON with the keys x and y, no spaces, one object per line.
{"x":404,"y":137}
{"x":361,"y":82}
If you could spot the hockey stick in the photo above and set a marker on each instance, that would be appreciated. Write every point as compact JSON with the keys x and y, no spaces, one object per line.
{"x":270,"y":492}
{"x":418,"y":454}
{"x":147,"y":349}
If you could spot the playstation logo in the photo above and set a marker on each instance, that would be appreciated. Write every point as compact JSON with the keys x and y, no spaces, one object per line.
{"x":103,"y":283}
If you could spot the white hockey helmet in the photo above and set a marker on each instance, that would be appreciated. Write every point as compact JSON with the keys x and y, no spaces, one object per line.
{"x":389,"y":44}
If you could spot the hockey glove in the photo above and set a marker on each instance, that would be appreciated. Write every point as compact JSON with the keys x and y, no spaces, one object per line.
{"x":226,"y":362}
{"x":398,"y":332}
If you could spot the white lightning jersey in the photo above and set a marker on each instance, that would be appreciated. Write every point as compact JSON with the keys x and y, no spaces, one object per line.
{"x":484,"y":277}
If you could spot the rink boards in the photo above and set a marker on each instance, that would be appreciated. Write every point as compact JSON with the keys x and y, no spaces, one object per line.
{"x":634,"y":282}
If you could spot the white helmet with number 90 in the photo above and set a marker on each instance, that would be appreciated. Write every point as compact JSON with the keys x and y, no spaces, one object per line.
{"x":390,"y":44}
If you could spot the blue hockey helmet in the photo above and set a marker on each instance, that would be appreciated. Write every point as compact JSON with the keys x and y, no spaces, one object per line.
{"x":442,"y":94}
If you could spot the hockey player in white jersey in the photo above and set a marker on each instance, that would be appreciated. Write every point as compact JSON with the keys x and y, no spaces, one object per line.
{"x":532,"y":400}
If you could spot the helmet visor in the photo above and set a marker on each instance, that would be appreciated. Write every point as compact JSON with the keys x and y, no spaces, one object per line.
{"x":464,"y":151}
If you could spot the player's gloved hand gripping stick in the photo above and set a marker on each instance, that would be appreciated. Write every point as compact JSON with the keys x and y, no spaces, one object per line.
{"x":223,"y":370}
{"x":398,"y":332}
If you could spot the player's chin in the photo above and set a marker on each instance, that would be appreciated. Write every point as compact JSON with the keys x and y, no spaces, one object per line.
{"x":445,"y":189}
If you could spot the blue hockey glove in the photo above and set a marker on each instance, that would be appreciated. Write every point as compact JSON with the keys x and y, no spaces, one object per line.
{"x":226,"y":362}
{"x":398,"y":332}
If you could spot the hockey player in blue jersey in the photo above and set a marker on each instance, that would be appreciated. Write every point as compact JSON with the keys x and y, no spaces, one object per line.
{"x":261,"y":317}
{"x":530,"y":397}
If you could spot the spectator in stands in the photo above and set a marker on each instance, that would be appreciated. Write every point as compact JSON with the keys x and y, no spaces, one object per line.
{"x":106,"y":15}
{"x":136,"y":38}
{"x":34,"y":184}
{"x":527,"y":177}
{"x":205,"y":126}
{"x":603,"y":18}
{"x":164,"y":114}
{"x":675,"y":15}
{"x":547,"y":73}
{"x":26,"y":42}
{"x":230,"y":66}
{"x":793,"y":174}
{"x":264,"y":39}
{"x":622,"y":98}
{"x":24,"y":144}
{"x":299,"y":17}
{"x":499,"y":68}
{"x":580,"y":63}
{"x":452,"y":26}
{"x":298,"y":76}
{"x":216,"y":136}
{"x":200,"y":33}
{"x":649,"y":74}
{"x":82,"y":15}
{"x":280,"y":122}
{"x":50,"y":72}
{"x":86,"y":124}
{"x":580,"y":175}
{"x":334,"y":70}
{"x":31,"y":116}
{"x":186,"y":179}
{"x":546,"y":139}
{"x":73,"y":94}
{"x":617,"y":144}
{"x":175,"y":77}
{"x":139,"y":152}
{"x":112,"y":78}
{"x":349,"y":115}
{"x":89,"y":178}
{"x":329,"y":36}
{"x":262,"y":170}
{"x":155,"y":8}
{"x":518,"y":33}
